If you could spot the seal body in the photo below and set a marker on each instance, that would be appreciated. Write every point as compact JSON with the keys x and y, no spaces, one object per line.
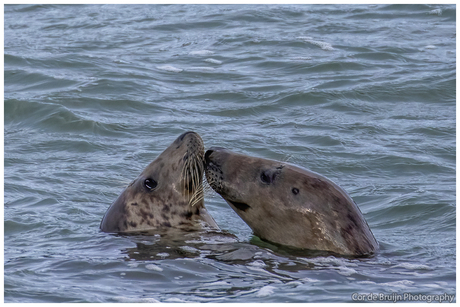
{"x":289,"y":205}
{"x":168,"y":192}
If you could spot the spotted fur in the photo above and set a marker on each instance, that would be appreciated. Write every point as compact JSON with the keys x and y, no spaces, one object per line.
{"x":168,"y":192}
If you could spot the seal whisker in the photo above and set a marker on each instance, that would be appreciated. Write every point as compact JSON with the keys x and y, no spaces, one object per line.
{"x":197,"y":200}
{"x":183,"y":176}
{"x":188,"y":178}
{"x":197,"y":185}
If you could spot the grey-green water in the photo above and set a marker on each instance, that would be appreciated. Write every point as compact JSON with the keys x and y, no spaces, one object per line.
{"x":364,"y":95}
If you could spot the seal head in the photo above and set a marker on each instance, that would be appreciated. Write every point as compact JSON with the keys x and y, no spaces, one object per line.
{"x":289,"y":205}
{"x":168,"y":192}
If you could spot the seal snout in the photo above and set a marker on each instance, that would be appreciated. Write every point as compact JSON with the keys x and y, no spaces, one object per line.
{"x":213,"y":171}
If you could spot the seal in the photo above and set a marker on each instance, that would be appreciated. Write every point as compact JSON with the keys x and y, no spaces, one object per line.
{"x":168,"y":192}
{"x":289,"y":205}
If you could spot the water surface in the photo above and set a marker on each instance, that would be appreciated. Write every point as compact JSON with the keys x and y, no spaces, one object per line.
{"x":363,"y":94}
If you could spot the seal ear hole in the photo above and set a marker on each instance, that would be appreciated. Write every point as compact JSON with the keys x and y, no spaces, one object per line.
{"x":295,"y":191}
{"x":150,"y":184}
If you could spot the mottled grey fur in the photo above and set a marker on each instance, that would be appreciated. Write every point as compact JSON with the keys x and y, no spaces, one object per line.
{"x":174,"y":202}
{"x":289,"y":205}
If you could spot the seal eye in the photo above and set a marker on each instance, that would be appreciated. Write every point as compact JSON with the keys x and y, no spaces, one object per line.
{"x":150,"y":184}
{"x":265,"y":178}
{"x":295,"y":191}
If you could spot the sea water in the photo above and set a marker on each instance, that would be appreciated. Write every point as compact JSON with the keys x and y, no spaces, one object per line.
{"x":362,"y":94}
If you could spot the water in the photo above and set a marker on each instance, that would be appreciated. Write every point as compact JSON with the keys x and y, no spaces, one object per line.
{"x":364,"y":95}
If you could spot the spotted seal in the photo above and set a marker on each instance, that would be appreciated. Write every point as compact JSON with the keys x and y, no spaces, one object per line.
{"x":289,"y":205}
{"x":168,"y":192}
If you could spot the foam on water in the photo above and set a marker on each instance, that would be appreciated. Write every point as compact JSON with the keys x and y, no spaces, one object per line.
{"x":170,"y":68}
{"x":201,"y":52}
{"x":265,"y":291}
{"x":412,"y":266}
{"x":163,"y":255}
{"x":322,"y":45}
{"x":213,"y":61}
{"x":153,"y":267}
{"x":436,"y":12}
{"x":258,"y":263}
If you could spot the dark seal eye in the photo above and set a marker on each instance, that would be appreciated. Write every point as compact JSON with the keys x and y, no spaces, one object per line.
{"x":295,"y":191}
{"x":265,"y":177}
{"x":150,"y":184}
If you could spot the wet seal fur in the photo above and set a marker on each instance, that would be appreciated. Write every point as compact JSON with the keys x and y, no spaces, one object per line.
{"x":289,"y":205}
{"x":168,"y":192}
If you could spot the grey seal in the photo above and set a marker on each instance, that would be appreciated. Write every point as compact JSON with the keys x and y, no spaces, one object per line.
{"x":168,"y":192}
{"x":289,"y":205}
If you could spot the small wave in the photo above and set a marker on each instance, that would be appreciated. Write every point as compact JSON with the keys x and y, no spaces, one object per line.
{"x":14,"y":227}
{"x":201,"y":69}
{"x":258,"y":263}
{"x":219,"y":283}
{"x":366,"y":282}
{"x":175,"y":300}
{"x":330,"y":260}
{"x":123,"y":299}
{"x":189,"y":249}
{"x":133,"y":264}
{"x":322,"y":45}
{"x":52,"y":117}
{"x":435,"y":12}
{"x":301,"y":58}
{"x":309,"y":280}
{"x":201,"y":52}
{"x":153,"y":267}
{"x":398,"y":284}
{"x":213,"y":61}
{"x":265,"y":291}
{"x":163,"y":255}
{"x":346,"y":271}
{"x":170,"y":68}
{"x":411,"y":266}
{"x":294,"y":284}
{"x":118,"y":61}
